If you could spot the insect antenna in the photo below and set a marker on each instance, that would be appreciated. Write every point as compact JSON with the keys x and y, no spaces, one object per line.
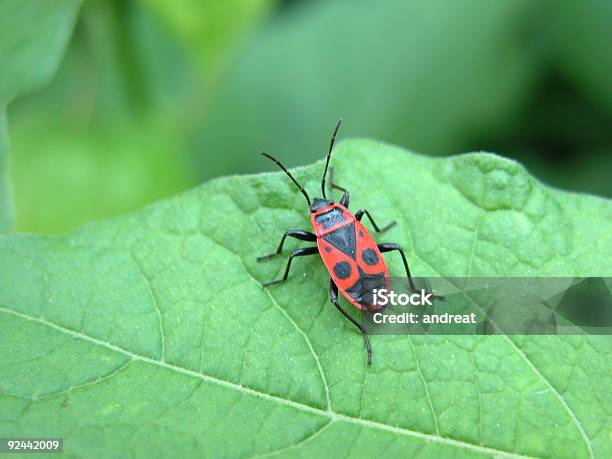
{"x":279,"y":164}
{"x":331,"y":147}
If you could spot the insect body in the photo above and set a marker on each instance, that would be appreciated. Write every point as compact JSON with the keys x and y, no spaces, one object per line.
{"x":350,"y":254}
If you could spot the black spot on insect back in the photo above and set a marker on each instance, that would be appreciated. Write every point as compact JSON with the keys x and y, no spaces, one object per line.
{"x":369,"y":257}
{"x":342,"y":269}
{"x":343,"y":239}
{"x":328,"y":249}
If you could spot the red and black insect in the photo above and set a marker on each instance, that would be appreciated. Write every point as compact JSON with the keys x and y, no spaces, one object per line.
{"x":350,"y":254}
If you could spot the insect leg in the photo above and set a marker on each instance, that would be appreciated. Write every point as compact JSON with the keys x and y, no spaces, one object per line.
{"x":296,"y":253}
{"x":344,"y":201}
{"x":298,"y":234}
{"x":360,"y":213}
{"x":333,"y":295}
{"x":388,"y":247}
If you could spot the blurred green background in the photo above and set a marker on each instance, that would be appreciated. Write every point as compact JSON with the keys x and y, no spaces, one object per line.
{"x":152,"y":97}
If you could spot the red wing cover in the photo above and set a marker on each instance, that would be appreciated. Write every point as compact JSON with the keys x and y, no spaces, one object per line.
{"x":354,"y":263}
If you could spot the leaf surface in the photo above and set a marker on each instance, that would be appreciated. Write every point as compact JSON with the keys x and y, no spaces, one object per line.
{"x":150,"y":335}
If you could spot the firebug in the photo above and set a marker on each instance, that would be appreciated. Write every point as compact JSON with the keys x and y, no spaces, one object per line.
{"x":349,"y":252}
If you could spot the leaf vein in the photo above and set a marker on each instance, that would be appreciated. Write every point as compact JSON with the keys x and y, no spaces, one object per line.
{"x":271,"y":398}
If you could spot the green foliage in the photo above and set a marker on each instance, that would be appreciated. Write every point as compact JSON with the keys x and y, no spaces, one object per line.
{"x":150,"y":334}
{"x":527,"y":79}
{"x":95,"y":173}
{"x":437,"y":77}
{"x":421,"y":74}
{"x":33,"y":35}
{"x":7,"y":217}
{"x":208,"y":28}
{"x":109,"y":133}
{"x":584,"y":34}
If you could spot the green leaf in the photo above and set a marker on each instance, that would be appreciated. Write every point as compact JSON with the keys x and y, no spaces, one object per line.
{"x":583,"y":26}
{"x":209,"y":28}
{"x":150,"y":334}
{"x":95,"y":127}
{"x":7,"y":212}
{"x":33,"y":35}
{"x":323,"y":60}
{"x":114,"y":170}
